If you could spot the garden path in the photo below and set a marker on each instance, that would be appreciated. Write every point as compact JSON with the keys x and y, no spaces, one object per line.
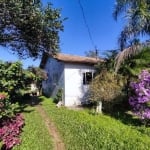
{"x":56,"y":138}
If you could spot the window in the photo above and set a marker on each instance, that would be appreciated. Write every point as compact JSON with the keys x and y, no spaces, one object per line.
{"x":87,"y":77}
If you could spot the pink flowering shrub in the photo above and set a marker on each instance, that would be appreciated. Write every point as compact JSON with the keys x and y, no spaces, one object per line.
{"x":10,"y":123}
{"x":140,"y":100}
{"x":10,"y":129}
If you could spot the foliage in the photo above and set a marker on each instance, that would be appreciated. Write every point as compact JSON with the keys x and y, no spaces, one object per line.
{"x":28,"y":28}
{"x":6,"y":108}
{"x":58,"y":96}
{"x":81,"y":130}
{"x":38,"y":76}
{"x":133,"y":66}
{"x":137,"y":17}
{"x":35,"y":135}
{"x":108,"y":63}
{"x":39,"y":73}
{"x":16,"y":81}
{"x":10,"y":123}
{"x":141,"y":98}
{"x":132,"y":52}
{"x":11,"y":75}
{"x":107,"y":87}
{"x":10,"y":129}
{"x":92,"y":53}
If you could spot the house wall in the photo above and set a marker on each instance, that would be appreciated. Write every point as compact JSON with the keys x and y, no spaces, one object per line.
{"x":55,"y":81}
{"x":75,"y":92}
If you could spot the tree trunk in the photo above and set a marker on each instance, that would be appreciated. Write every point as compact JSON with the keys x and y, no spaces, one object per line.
{"x":99,"y":107}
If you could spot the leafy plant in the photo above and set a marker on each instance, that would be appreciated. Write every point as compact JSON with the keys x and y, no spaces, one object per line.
{"x":140,"y":101}
{"x":6,"y":108}
{"x":106,"y":87}
{"x":58,"y":96}
{"x":12,"y":78}
{"x":16,"y":81}
{"x":28,"y":28}
{"x":10,"y":129}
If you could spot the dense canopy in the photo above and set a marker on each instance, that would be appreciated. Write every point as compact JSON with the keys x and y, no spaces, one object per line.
{"x":28,"y":28}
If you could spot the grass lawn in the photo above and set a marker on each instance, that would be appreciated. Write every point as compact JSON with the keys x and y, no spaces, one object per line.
{"x":35,"y":135}
{"x":83,"y":131}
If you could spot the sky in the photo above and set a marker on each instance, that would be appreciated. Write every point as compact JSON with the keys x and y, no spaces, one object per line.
{"x":75,"y":38}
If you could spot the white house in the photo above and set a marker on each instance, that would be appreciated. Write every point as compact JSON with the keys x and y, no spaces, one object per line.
{"x":70,"y":73}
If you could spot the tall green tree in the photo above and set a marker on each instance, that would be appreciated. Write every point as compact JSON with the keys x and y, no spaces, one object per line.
{"x":28,"y":28}
{"x":137,"y":15}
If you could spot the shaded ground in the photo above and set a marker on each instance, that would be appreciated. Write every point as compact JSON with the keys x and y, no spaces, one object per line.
{"x":57,"y":141}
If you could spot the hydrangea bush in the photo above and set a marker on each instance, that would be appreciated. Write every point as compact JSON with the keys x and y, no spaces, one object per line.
{"x":140,"y":99}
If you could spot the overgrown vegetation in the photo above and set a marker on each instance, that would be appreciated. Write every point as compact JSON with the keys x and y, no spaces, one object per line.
{"x":14,"y":83}
{"x":10,"y":123}
{"x":139,"y":99}
{"x":81,"y":130}
{"x":107,"y":87}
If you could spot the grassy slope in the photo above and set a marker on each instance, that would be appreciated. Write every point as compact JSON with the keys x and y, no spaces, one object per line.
{"x":35,"y":135}
{"x":82,"y":131}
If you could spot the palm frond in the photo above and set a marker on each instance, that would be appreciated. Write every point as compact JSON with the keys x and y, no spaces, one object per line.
{"x":120,"y":7}
{"x":142,"y":49}
{"x":126,"y":54}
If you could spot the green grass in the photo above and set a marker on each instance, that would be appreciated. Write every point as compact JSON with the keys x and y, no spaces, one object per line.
{"x":82,"y":131}
{"x":35,"y":135}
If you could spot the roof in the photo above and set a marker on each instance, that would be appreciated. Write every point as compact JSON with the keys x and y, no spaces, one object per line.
{"x":71,"y":59}
{"x":76,"y":59}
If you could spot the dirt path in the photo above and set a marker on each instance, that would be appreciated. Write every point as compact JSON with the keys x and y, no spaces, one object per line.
{"x":57,"y":141}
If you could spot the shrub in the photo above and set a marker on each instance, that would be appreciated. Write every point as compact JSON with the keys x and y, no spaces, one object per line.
{"x":10,"y":129}
{"x":140,"y":101}
{"x":10,"y":124}
{"x":58,"y":96}
{"x":6,"y":108}
{"x":106,"y":87}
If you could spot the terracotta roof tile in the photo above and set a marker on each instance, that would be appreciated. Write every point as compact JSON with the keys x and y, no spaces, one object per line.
{"x":71,"y":59}
{"x":76,"y":59}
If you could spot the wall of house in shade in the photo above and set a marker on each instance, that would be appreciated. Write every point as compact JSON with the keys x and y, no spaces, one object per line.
{"x":55,"y":81}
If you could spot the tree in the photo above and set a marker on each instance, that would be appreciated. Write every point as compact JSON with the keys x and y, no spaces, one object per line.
{"x":106,"y":87}
{"x":28,"y":28}
{"x":92,"y":53}
{"x":137,"y":19}
{"x":137,"y":23}
{"x":38,"y":76}
{"x":133,"y":66}
{"x":132,"y":52}
{"x":108,"y":63}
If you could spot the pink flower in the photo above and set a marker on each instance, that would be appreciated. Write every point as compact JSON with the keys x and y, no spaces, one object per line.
{"x":2,"y":96}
